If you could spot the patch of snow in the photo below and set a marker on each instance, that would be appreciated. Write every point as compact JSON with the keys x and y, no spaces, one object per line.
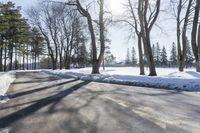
{"x":169,"y":78}
{"x":5,"y":80}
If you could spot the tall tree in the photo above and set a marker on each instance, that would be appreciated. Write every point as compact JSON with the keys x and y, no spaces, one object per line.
{"x":189,"y":60}
{"x":128,"y":58}
{"x":131,"y":18}
{"x":154,"y":52}
{"x":133,"y":57}
{"x":96,"y":60}
{"x":148,"y":14}
{"x":195,"y":37}
{"x":181,"y":31}
{"x":37,"y":44}
{"x":14,"y":32}
{"x":158,"y":55}
{"x":164,"y":60}
{"x":173,"y":56}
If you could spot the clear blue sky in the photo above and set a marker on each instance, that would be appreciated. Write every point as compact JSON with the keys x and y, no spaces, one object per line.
{"x":119,"y":36}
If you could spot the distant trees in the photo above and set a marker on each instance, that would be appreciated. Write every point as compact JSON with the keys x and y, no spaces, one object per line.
{"x":128,"y":57}
{"x":109,"y":58}
{"x":163,"y":59}
{"x":157,"y":55}
{"x":189,"y":60}
{"x":133,"y":57}
{"x":173,"y":56}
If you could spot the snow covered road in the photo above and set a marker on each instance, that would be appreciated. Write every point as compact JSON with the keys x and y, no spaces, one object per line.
{"x":46,"y":104}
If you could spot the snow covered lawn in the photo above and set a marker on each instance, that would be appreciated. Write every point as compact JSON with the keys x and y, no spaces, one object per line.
{"x":169,"y":78}
{"x":5,"y":80}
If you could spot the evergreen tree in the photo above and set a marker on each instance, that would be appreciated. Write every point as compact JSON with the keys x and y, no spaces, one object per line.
{"x":83,"y":59}
{"x":128,"y":59}
{"x":163,"y":59}
{"x":157,"y":55}
{"x":134,"y":58}
{"x":173,"y":56}
{"x":189,"y":61}
{"x":13,"y":30}
{"x":154,"y":52}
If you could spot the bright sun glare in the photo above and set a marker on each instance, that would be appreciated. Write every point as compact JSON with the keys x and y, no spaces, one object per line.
{"x":116,"y":6}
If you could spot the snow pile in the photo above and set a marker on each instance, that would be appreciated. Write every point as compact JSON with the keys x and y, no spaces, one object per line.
{"x":5,"y":80}
{"x":168,"y":78}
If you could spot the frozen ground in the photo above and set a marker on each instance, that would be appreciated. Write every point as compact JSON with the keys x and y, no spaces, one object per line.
{"x":168,"y":78}
{"x":5,"y":80}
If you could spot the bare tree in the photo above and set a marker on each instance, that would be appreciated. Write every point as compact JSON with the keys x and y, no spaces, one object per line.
{"x":182,"y":31}
{"x":194,"y":35}
{"x":96,"y":60}
{"x":148,"y":14}
{"x":198,"y":64}
{"x":133,"y":20}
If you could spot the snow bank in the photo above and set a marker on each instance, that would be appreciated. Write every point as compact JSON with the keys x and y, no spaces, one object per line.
{"x":168,"y":78}
{"x":5,"y":80}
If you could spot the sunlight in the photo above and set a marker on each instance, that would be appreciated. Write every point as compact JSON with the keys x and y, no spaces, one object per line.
{"x":116,"y":6}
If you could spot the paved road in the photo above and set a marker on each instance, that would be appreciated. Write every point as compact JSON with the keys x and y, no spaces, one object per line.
{"x":44,"y":104}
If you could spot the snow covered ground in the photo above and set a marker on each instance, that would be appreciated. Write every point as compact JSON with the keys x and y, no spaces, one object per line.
{"x":5,"y":80}
{"x":168,"y":78}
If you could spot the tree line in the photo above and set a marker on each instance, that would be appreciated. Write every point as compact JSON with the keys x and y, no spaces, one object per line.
{"x":141,"y":16}
{"x":161,"y":57}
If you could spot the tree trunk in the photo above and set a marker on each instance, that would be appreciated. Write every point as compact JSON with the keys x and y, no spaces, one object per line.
{"x":10,"y":56}
{"x":141,"y":60}
{"x":23,"y":61}
{"x":152,"y":68}
{"x":16,"y":63}
{"x":61,"y":60}
{"x":198,"y":61}
{"x":182,"y":53}
{"x":102,"y":37}
{"x":5,"y":59}
{"x":35,"y":62}
{"x":1,"y":58}
{"x":103,"y":64}
{"x":195,"y":44}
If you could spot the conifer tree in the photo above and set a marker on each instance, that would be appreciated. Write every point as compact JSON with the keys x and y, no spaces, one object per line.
{"x":128,"y":59}
{"x":163,"y":59}
{"x":173,"y":56}
{"x":189,"y":60}
{"x":134,"y":59}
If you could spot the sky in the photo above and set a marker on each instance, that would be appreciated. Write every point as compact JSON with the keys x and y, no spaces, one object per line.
{"x":164,"y":34}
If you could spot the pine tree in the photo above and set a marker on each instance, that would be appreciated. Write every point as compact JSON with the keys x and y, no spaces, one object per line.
{"x":128,"y":60}
{"x":157,"y":55}
{"x":173,"y":56}
{"x":154,"y":52}
{"x":163,"y":59}
{"x":134,"y":59}
{"x":189,"y":61}
{"x":14,"y":31}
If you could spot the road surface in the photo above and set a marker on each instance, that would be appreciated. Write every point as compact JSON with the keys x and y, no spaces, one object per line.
{"x":40,"y":103}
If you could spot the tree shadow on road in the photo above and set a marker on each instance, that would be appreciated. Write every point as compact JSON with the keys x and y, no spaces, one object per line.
{"x":12,"y":96}
{"x":25,"y":112}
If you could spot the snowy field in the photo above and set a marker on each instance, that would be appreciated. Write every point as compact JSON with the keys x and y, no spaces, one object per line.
{"x":5,"y":80}
{"x":168,"y":78}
